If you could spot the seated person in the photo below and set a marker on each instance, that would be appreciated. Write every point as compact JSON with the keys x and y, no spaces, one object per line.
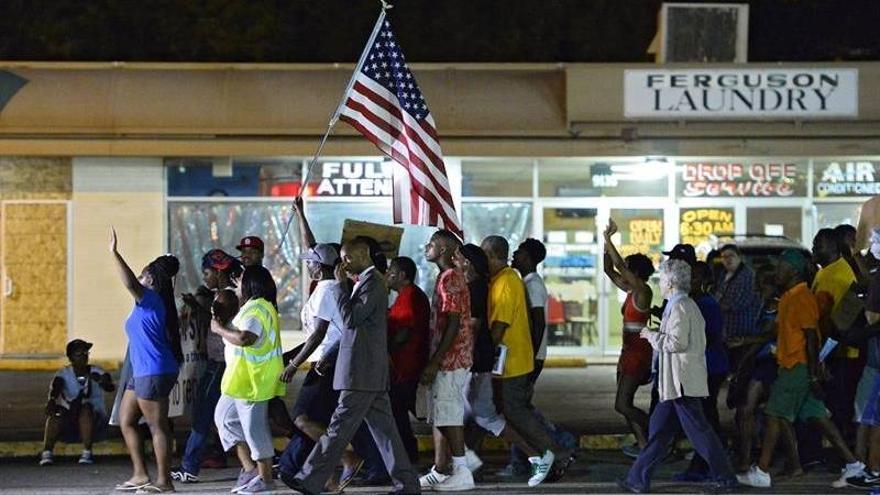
{"x":75,"y":410}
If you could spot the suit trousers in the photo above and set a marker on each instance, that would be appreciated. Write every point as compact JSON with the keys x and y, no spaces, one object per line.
{"x":353,"y":408}
{"x":666,"y":420}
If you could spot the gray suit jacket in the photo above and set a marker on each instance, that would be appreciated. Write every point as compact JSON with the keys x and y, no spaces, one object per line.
{"x":362,"y":363}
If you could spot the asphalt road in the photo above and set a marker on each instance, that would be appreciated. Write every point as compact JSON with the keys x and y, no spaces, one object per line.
{"x":593,"y":472}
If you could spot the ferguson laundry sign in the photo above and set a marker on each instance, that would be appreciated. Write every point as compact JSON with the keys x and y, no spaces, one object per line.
{"x":709,"y":94}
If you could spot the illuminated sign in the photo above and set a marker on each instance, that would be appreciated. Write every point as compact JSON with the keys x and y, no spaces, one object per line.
{"x":699,"y":224}
{"x":355,"y":179}
{"x":645,"y":236}
{"x":718,"y":179}
{"x":853,"y":178}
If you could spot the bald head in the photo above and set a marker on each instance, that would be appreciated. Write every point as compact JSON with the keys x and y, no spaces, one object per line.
{"x":497,"y":251}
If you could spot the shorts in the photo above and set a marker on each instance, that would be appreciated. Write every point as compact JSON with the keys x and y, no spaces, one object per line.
{"x":635,"y":357}
{"x":316,"y":398}
{"x":764,"y":371}
{"x":480,"y":405}
{"x":447,"y":399}
{"x":240,"y":421}
{"x":791,"y":398}
{"x":867,"y":405}
{"x":152,"y":387}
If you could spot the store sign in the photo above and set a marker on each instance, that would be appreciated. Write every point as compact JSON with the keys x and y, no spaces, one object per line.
{"x":699,"y":224}
{"x":854,"y":178}
{"x":645,"y":236}
{"x":699,"y":179}
{"x":712,"y":94}
{"x":355,"y":179}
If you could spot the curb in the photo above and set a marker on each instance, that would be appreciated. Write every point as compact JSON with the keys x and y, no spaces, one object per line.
{"x":116,"y":446}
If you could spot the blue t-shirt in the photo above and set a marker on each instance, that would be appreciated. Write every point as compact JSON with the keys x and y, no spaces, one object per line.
{"x":149,"y":350}
{"x":716,"y":356}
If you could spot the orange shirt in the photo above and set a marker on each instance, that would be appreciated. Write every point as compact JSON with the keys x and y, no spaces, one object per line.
{"x":798,"y":309}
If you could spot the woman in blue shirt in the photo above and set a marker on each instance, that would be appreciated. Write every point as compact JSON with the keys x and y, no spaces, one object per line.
{"x":154,"y":351}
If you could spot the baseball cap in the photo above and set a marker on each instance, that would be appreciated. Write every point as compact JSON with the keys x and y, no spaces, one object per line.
{"x":250,"y":241}
{"x":795,"y":259}
{"x":76,"y":344}
{"x":324,"y":254}
{"x":684,"y":252}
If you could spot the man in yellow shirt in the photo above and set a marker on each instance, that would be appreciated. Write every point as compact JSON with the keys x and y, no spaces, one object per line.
{"x":830,"y":285}
{"x":509,"y":326}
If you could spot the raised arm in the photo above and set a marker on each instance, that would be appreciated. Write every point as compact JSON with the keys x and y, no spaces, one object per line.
{"x":356,"y":310}
{"x":129,"y":280}
{"x":627,"y":280}
{"x":305,"y":231}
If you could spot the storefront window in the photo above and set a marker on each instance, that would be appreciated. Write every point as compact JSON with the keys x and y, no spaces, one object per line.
{"x":195,"y":228}
{"x":579,"y":178}
{"x":842,"y":178}
{"x":513,"y":221}
{"x":830,"y":215}
{"x":497,"y":178}
{"x":700,"y":226}
{"x":775,"y":222}
{"x":203,"y":177}
{"x":351,"y":178}
{"x":738,"y":178}
{"x":639,"y":231}
{"x":570,"y":271}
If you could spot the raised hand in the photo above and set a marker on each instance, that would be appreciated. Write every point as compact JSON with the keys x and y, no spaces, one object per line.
{"x":611,"y":229}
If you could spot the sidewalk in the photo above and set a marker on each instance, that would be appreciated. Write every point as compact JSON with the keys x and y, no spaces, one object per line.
{"x":579,"y":399}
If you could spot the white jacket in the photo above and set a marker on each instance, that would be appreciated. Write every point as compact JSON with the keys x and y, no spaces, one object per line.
{"x":681,"y":346}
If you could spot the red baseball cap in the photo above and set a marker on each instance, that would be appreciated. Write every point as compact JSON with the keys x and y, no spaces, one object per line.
{"x":250,"y":241}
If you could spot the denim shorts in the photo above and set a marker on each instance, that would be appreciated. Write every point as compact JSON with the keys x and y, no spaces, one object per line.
{"x":152,"y":387}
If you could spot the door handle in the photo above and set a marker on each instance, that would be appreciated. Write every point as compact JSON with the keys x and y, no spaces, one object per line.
{"x":9,"y":286}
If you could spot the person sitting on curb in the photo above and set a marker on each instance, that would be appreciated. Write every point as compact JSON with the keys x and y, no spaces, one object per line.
{"x":75,"y":409}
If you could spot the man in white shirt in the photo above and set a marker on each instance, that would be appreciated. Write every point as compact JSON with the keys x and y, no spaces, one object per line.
{"x":526,"y":258}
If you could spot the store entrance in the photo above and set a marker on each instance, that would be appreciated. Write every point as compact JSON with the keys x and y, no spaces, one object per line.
{"x":583,"y":313}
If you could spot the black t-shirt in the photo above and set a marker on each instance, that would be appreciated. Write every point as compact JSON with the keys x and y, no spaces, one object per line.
{"x":484,"y":351}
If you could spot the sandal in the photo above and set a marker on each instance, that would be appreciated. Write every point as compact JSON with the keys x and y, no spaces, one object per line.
{"x":151,"y":488}
{"x":128,"y":486}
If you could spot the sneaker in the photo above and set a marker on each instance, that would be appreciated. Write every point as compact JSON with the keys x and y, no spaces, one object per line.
{"x":46,"y":458}
{"x":257,"y":485}
{"x":244,"y":477}
{"x":183,"y":476}
{"x":754,"y":477}
{"x":631,"y":451}
{"x":460,"y":480}
{"x":851,"y":470}
{"x":86,"y":457}
{"x":473,"y":460}
{"x":866,"y":480}
{"x":432,"y":479}
{"x":540,"y":468}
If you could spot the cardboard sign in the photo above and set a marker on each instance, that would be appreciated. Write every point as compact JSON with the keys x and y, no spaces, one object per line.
{"x":388,"y":236}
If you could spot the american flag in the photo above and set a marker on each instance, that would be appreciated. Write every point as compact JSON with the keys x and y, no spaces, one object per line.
{"x":384,"y":104}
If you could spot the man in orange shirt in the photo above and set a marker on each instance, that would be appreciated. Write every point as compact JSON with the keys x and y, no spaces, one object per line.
{"x":795,"y":393}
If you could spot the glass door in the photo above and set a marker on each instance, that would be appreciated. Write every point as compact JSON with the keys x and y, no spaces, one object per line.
{"x":639,"y":231}
{"x":570,"y":272}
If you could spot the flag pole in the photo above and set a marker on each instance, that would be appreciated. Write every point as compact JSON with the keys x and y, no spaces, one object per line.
{"x":335,"y":117}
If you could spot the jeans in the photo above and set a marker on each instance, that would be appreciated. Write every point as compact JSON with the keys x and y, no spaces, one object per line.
{"x":208,"y":394}
{"x":668,"y":417}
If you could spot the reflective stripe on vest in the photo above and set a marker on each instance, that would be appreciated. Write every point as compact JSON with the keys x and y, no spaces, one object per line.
{"x":253,"y":373}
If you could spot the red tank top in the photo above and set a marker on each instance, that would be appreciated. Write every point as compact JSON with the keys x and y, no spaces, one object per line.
{"x":633,"y":318}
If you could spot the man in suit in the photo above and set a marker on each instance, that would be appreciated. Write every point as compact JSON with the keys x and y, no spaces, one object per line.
{"x":361,"y":376}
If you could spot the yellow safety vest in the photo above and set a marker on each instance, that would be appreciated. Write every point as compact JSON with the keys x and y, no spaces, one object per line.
{"x":253,"y":372}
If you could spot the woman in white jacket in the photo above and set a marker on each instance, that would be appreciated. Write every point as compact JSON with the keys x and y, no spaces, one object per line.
{"x":680,"y":345}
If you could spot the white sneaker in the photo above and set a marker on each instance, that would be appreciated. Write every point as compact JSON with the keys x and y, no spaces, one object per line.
{"x":461,"y":480}
{"x":432,"y":479}
{"x":86,"y":457}
{"x":46,"y":458}
{"x":851,"y":470}
{"x":473,"y":460}
{"x":754,"y":477}
{"x":541,"y":468}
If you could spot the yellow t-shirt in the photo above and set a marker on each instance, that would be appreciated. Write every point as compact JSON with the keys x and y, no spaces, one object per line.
{"x":830,"y":285}
{"x":507,"y":303}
